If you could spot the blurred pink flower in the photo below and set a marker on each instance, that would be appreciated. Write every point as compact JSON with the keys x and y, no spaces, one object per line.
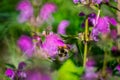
{"x":90,"y":63}
{"x":51,"y":44}
{"x":10,"y":73}
{"x":103,"y":26}
{"x":62,"y":26}
{"x":113,"y":34}
{"x":26,"y":45}
{"x":118,"y":67}
{"x":47,"y":10}
{"x":76,"y":1}
{"x":90,"y":74}
{"x":26,"y":10}
{"x":37,"y":75}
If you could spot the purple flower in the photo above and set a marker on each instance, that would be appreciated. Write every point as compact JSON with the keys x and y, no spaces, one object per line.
{"x":10,"y":73}
{"x":47,"y":10}
{"x":75,"y":1}
{"x":82,"y":14}
{"x":26,"y":45}
{"x":118,"y":67}
{"x":51,"y":44}
{"x":113,"y":34}
{"x":37,"y":75}
{"x":21,"y":65}
{"x":115,"y":51}
{"x":90,"y":63}
{"x":97,"y":1}
{"x":103,"y":26}
{"x":62,"y":26}
{"x":90,"y":74}
{"x":91,"y":19}
{"x":26,"y":10}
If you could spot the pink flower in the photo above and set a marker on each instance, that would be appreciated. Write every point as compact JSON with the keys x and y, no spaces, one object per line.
{"x":62,"y":26}
{"x":37,"y":75}
{"x":51,"y":44}
{"x":47,"y":10}
{"x":26,"y":10}
{"x":103,"y":26}
{"x":114,"y":34}
{"x":26,"y":45}
{"x":10,"y":73}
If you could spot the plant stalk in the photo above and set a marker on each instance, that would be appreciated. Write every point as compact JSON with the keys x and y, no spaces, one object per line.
{"x":86,"y":42}
{"x":104,"y":65}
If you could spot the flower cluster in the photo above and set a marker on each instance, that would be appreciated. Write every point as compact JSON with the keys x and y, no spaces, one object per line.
{"x":17,"y":74}
{"x":27,"y":12}
{"x":49,"y":47}
{"x":103,"y":26}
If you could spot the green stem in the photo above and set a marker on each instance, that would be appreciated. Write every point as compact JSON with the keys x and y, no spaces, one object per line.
{"x":104,"y":65}
{"x":86,"y":44}
{"x":85,"y":54}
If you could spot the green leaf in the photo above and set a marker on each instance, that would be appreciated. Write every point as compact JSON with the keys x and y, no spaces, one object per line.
{"x":69,"y":71}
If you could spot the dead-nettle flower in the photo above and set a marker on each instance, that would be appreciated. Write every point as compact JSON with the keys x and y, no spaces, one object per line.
{"x":19,"y":73}
{"x":10,"y":73}
{"x":52,"y":44}
{"x":26,"y":45}
{"x":102,"y":26}
{"x":26,"y":10}
{"x":47,"y":10}
{"x":62,"y":26}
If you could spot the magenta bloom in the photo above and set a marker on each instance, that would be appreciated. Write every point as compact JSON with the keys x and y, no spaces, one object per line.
{"x":51,"y":44}
{"x":47,"y":10}
{"x":103,"y":26}
{"x":26,"y":45}
{"x":10,"y":73}
{"x":26,"y":10}
{"x":62,"y":26}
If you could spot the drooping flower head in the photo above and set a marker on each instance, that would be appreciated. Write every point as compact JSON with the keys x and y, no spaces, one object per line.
{"x":26,"y":10}
{"x":10,"y":73}
{"x":103,"y":26}
{"x":47,"y":10}
{"x":52,"y":43}
{"x":26,"y":45}
{"x":62,"y":26}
